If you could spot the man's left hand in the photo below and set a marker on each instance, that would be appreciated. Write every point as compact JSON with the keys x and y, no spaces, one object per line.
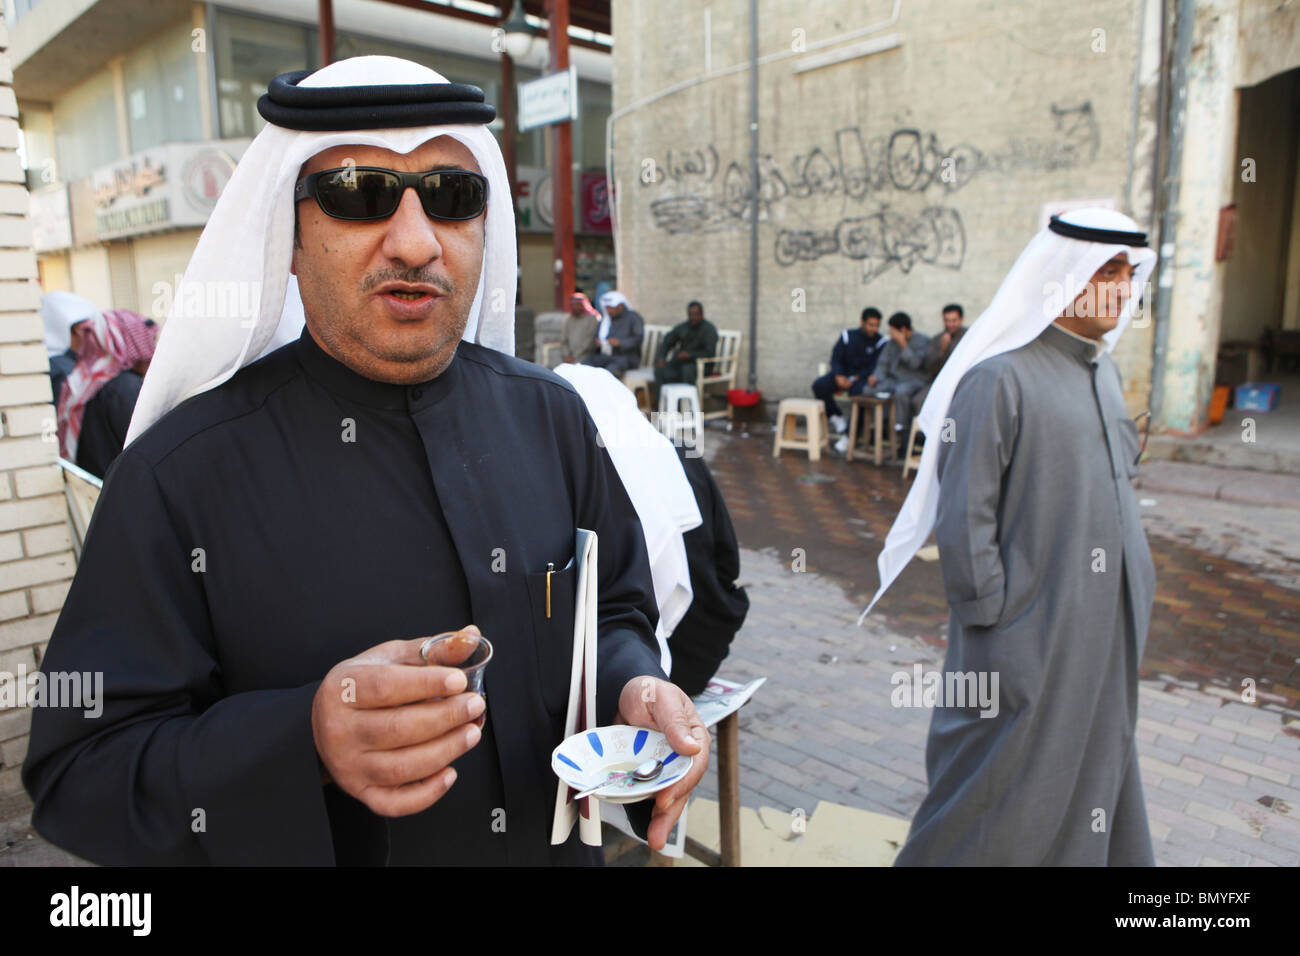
{"x":656,"y":704}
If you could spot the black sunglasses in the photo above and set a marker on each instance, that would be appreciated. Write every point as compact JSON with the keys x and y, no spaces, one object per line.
{"x":371,"y":192}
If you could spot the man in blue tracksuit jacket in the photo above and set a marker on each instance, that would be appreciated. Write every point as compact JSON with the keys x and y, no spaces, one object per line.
{"x":852,"y":360}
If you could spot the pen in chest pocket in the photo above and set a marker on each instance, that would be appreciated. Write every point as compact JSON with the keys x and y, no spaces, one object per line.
{"x":550,"y":569}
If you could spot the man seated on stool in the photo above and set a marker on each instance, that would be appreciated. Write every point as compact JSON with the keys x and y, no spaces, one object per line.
{"x":901,"y":370}
{"x":941,"y":347}
{"x":580,"y":325}
{"x":696,"y":338}
{"x":852,"y":360}
{"x":622,"y":330}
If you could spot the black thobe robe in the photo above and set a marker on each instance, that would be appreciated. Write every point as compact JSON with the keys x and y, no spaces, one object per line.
{"x":61,"y":367}
{"x":105,"y":421}
{"x":703,"y":637}
{"x":298,"y":514}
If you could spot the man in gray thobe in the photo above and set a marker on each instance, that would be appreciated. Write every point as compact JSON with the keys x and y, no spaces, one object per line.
{"x":623,"y":335}
{"x":1050,"y":583}
{"x":901,"y":369}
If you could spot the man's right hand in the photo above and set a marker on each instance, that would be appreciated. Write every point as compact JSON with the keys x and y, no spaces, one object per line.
{"x":382,"y":736}
{"x":872,"y":380}
{"x":843,"y":381}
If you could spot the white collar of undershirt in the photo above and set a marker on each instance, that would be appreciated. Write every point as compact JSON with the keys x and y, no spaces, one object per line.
{"x":1097,"y":345}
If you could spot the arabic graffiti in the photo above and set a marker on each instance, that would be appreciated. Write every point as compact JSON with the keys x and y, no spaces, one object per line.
{"x":907,"y":160}
{"x":882,"y":240}
{"x":682,"y":164}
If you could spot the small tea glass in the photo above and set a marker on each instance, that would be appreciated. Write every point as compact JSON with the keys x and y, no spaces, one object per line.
{"x":470,"y":652}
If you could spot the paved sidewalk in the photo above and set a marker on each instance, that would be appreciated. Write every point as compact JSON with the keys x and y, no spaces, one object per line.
{"x":1222,"y":777}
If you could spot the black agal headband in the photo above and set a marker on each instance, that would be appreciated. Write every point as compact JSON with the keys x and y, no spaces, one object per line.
{"x":324,"y":108}
{"x":1109,"y":236}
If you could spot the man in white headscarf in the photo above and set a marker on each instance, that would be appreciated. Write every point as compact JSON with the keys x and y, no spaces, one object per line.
{"x":278,"y":537}
{"x":1026,"y":481}
{"x":620,"y":334}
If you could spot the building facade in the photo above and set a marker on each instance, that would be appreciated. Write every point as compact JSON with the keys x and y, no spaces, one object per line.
{"x":134,"y":113}
{"x":908,"y":149}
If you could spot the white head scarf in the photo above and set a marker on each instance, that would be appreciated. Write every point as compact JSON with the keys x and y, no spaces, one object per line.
{"x":1047,"y":277}
{"x":245,"y":251}
{"x":612,"y":297}
{"x":60,"y":311}
{"x":654,"y":478}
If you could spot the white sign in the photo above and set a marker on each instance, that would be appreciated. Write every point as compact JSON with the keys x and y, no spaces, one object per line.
{"x":548,"y":99}
{"x":51,"y":219}
{"x":533,"y":197}
{"x":161,"y":188}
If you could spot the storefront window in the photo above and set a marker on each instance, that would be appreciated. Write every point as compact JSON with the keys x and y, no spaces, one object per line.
{"x":250,"y":52}
{"x":85,"y":127}
{"x":594,"y":106}
{"x":162,"y":90}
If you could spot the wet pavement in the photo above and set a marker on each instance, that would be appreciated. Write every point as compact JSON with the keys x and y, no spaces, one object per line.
{"x":1216,"y":622}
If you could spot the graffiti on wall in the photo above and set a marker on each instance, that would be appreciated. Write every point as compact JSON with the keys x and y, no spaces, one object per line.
{"x":881,"y":241}
{"x":707,"y":196}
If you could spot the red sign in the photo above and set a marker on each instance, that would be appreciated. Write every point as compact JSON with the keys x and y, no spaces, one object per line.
{"x":595,"y":203}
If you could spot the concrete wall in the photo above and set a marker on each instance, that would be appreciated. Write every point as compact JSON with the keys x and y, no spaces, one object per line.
{"x":36,"y":562}
{"x":903,"y":179}
{"x":1268,"y":40}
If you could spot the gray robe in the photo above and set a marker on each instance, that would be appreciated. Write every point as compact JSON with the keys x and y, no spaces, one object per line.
{"x":1036,"y":500}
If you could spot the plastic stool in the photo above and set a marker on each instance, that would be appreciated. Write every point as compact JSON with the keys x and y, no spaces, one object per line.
{"x":814,"y":438}
{"x":676,"y":423}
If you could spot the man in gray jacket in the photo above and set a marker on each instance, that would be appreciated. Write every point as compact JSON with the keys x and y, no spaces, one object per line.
{"x":901,"y":370}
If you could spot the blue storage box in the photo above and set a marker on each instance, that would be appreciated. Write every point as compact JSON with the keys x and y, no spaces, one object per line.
{"x":1253,"y":397}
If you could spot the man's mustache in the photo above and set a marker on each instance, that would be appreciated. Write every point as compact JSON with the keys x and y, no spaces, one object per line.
{"x":412,"y":276}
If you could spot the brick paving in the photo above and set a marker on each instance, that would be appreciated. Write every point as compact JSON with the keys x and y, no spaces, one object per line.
{"x":1222,"y":777}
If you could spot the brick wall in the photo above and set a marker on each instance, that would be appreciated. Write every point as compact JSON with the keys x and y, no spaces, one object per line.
{"x":36,"y":560}
{"x":1031,"y":99}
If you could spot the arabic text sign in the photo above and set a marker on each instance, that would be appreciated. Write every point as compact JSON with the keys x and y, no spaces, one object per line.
{"x":549,"y":99}
{"x":172,"y":185}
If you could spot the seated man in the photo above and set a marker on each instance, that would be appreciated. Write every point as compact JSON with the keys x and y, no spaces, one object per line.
{"x":622,"y":330}
{"x":852,"y":360}
{"x":901,"y":369}
{"x":579,"y":335}
{"x":693,"y":339}
{"x":941,"y":347}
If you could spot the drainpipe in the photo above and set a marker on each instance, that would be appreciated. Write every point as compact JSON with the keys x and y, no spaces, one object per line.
{"x":1184,"y":28}
{"x":753,"y":199}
